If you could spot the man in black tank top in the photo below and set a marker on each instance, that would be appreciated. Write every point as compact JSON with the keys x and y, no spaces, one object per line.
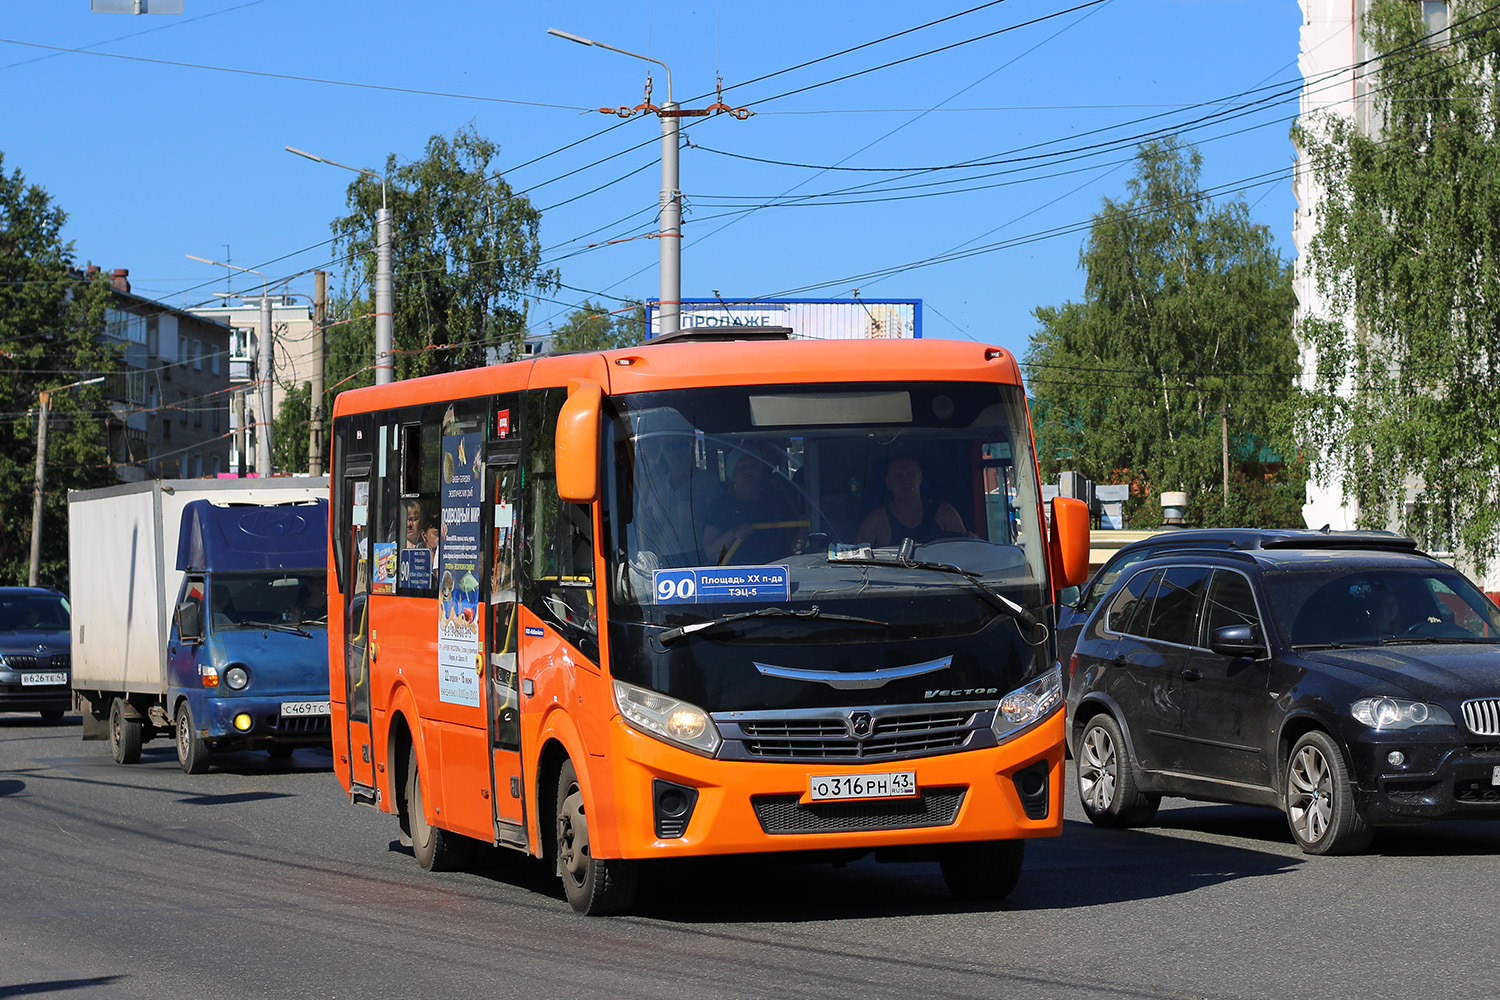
{"x":906,"y":513}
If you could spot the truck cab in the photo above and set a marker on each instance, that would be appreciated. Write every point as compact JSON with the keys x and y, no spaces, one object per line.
{"x":247,"y":651}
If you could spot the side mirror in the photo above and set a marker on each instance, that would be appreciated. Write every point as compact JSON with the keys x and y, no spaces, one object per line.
{"x":1069,"y":596}
{"x":1068,"y":542}
{"x":190,"y":621}
{"x":1237,"y":640}
{"x":577,"y":448}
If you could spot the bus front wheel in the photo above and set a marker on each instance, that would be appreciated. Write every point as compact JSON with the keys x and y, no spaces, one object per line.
{"x":987,"y":870}
{"x":595,"y":887}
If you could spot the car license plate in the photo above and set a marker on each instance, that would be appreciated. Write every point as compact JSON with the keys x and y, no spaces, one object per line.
{"x":895,"y":784}
{"x":306,"y":708}
{"x":56,"y":677}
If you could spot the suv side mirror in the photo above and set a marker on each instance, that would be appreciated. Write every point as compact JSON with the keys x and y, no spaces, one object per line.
{"x":1069,"y":596}
{"x":1237,"y":640}
{"x":190,"y":621}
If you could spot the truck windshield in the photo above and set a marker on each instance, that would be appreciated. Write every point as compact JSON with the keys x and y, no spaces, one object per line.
{"x":722,"y":500}
{"x":255,"y":600}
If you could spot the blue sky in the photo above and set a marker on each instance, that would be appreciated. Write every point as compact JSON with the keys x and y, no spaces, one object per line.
{"x":153,"y":161}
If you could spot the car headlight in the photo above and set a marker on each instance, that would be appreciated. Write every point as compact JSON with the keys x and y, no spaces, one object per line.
{"x":1396,"y":713}
{"x":676,"y":722}
{"x":236,"y":678}
{"x":1028,"y":704}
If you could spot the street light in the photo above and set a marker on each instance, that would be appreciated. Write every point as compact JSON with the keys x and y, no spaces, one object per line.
{"x":45,"y":398}
{"x":384,"y":332}
{"x":670,"y":316}
{"x":263,"y":363}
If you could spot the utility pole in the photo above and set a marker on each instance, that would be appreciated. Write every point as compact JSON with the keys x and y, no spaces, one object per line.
{"x":239,"y":430}
{"x":263,"y":377}
{"x":669,"y":312}
{"x":1224,"y":418}
{"x":39,"y":482}
{"x":315,"y":377}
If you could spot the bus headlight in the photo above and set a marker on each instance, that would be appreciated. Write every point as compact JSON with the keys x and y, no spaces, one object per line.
{"x":1028,"y":704}
{"x":676,"y":722}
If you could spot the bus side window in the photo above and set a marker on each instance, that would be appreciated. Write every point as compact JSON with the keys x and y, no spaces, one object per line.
{"x":559,"y":551}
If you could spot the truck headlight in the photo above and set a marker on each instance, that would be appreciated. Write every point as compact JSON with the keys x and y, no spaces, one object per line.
{"x":1028,"y":704}
{"x":668,"y":719}
{"x":1396,"y":713}
{"x":236,"y":678}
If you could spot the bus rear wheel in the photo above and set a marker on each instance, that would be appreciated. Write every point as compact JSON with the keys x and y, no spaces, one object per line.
{"x":595,"y":887}
{"x":436,"y":849}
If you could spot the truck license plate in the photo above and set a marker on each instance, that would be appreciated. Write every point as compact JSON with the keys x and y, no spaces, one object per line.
{"x":56,"y":677}
{"x":895,"y":784}
{"x":290,"y":708}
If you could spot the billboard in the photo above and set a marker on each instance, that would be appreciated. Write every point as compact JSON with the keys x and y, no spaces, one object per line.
{"x":815,"y":319}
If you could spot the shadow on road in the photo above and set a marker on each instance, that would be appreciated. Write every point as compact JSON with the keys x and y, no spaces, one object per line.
{"x":56,"y":986}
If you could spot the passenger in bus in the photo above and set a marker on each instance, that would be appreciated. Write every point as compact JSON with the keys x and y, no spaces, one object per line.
{"x":752,"y":523}
{"x":906,"y":513}
{"x":413,"y":525}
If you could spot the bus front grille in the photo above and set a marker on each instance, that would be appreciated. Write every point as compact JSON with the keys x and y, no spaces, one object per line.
{"x":784,"y":814}
{"x":858,"y":735}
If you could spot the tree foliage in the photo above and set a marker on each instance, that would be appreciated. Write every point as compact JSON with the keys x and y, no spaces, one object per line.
{"x":289,"y":435}
{"x":50,"y":321}
{"x":465,"y":253}
{"x":1187,"y":309}
{"x":592,"y":327}
{"x":1407,"y":256}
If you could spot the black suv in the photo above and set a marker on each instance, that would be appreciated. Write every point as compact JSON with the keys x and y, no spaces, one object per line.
{"x":35,"y":652}
{"x":1347,"y":679}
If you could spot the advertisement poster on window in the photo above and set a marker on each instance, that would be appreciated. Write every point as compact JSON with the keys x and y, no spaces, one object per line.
{"x":459,"y":655}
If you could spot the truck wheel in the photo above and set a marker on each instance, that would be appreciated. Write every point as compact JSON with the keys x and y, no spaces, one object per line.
{"x":436,"y":849}
{"x":192,"y":749}
{"x":124,"y":734}
{"x":987,"y":870}
{"x":595,"y":887}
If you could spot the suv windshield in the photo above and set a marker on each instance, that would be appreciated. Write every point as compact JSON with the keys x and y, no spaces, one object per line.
{"x":722,"y":500}
{"x":1380,"y":605}
{"x":40,"y":612}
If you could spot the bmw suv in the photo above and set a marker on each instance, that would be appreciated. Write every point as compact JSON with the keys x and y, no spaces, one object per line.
{"x":1351,"y":682}
{"x":35,"y":652}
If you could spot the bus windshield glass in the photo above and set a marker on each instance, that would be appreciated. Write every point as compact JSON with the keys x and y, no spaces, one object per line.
{"x":854,"y":498}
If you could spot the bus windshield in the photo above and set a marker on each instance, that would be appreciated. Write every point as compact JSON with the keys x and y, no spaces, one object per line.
{"x":859,"y":498}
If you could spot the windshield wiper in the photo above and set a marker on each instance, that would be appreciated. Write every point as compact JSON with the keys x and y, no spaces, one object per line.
{"x":998,"y":601}
{"x":283,"y":627}
{"x":1418,"y":640}
{"x":671,"y":635}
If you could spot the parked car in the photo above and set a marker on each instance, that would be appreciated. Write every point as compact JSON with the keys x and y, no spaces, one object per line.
{"x":1350,"y":682}
{"x":35,"y":658}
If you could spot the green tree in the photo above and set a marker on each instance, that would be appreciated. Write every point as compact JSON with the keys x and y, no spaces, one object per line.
{"x":289,"y":436}
{"x":465,"y":253}
{"x":1187,"y":309}
{"x":592,"y":327}
{"x":1407,"y":257}
{"x":50,"y":321}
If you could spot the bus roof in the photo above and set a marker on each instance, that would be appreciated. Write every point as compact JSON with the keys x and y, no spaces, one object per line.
{"x":682,"y":365}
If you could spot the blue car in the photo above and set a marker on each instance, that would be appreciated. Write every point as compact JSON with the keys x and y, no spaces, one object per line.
{"x":35,"y":657}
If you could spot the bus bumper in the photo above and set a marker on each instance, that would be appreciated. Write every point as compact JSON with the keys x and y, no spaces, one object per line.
{"x":672,"y":803}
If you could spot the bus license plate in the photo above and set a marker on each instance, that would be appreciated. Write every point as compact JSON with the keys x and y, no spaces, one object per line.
{"x":897,"y":784}
{"x":291,"y":708}
{"x":28,"y":680}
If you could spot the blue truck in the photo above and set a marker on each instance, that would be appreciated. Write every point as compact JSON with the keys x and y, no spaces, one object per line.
{"x":200,"y":612}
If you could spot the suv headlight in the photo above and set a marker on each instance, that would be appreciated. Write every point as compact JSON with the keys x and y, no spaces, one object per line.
{"x":1396,"y":713}
{"x":1028,"y":704}
{"x":668,"y":719}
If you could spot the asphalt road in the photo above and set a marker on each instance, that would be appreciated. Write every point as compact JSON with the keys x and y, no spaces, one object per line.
{"x":259,"y":880}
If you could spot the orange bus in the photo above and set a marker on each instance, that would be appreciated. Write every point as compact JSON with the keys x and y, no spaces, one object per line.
{"x":702,"y":597}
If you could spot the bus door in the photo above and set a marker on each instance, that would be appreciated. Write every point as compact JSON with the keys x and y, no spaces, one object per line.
{"x":356,"y":588}
{"x":502,"y":512}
